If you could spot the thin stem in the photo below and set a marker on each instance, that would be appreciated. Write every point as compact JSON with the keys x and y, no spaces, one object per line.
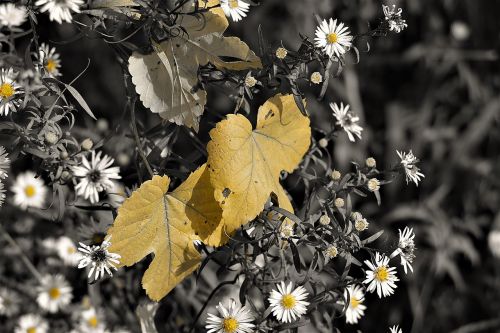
{"x":24,"y":258}
{"x":137,"y":140}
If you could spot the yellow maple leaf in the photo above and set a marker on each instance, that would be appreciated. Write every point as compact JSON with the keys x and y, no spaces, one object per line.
{"x":245,"y":165}
{"x":166,"y":224}
{"x":167,"y":79}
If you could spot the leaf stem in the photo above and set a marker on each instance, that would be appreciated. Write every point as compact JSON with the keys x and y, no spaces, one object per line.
{"x":137,"y":140}
{"x":24,"y":258}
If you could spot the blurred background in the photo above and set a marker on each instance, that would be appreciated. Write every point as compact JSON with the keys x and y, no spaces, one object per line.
{"x":434,"y":88}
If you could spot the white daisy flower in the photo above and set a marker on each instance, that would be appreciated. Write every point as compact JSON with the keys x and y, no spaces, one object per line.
{"x":31,"y":323}
{"x":394,"y":19}
{"x":90,"y":322}
{"x":233,"y":319}
{"x":494,"y":242}
{"x":347,"y":120}
{"x":334,"y":39}
{"x":380,"y":276}
{"x":99,"y":258}
{"x":95,"y":176}
{"x":60,"y":10}
{"x":50,"y":60}
{"x":409,"y":162}
{"x":288,"y":305}
{"x":12,"y":15}
{"x":356,"y":308}
{"x":29,"y":191}
{"x":4,"y":163}
{"x":395,"y":329}
{"x":54,"y":293}
{"x":406,"y":248}
{"x":9,"y":88}
{"x":67,"y":251}
{"x":9,"y":302}
{"x":236,"y":9}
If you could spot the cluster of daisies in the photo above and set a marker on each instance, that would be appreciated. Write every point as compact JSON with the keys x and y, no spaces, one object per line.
{"x":87,"y":318}
{"x":12,"y":15}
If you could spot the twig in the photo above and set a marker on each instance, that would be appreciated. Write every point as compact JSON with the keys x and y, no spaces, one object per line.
{"x":484,"y":325}
{"x":24,"y":258}
{"x":137,"y":140}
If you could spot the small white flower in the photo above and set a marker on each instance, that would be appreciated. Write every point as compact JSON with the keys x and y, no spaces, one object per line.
{"x":373,"y":184}
{"x":29,"y":191}
{"x":380,"y":277}
{"x":60,"y":10}
{"x":67,"y":251}
{"x":288,"y":305}
{"x":334,"y":39}
{"x":316,"y":78}
{"x":460,"y":30}
{"x":361,"y":224}
{"x":12,"y":15}
{"x":250,"y":81}
{"x":356,"y":308}
{"x":331,"y":252}
{"x":4,"y":163}
{"x":9,"y":302}
{"x":287,"y":229}
{"x":394,"y":19}
{"x":50,"y":60}
{"x":395,"y":329}
{"x":90,"y":322}
{"x":336,"y":175}
{"x":54,"y":293}
{"x":281,"y":53}
{"x":99,"y":258}
{"x":494,"y":242}
{"x":324,"y":219}
{"x":95,"y":176}
{"x":236,"y":9}
{"x":347,"y":120}
{"x":406,"y":248}
{"x":9,"y":88}
{"x":31,"y":323}
{"x":233,"y":319}
{"x":409,"y":162}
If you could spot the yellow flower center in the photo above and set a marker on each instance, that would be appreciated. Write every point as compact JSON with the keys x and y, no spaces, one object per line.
{"x":54,"y":293}
{"x":29,"y":191}
{"x":332,"y":38}
{"x":31,"y":330}
{"x":51,"y":65}
{"x":230,"y":325}
{"x":233,"y":4}
{"x":381,"y":274}
{"x":354,"y":302}
{"x":92,"y":321}
{"x":71,"y":250}
{"x":288,"y":301}
{"x":7,"y":90}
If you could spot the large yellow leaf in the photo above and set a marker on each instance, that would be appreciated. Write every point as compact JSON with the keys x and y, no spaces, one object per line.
{"x":167,"y":79}
{"x":245,"y":165}
{"x":166,"y":224}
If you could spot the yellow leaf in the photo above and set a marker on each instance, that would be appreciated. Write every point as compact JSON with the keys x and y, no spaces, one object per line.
{"x":167,"y":79}
{"x":166,"y":224}
{"x":245,"y":165}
